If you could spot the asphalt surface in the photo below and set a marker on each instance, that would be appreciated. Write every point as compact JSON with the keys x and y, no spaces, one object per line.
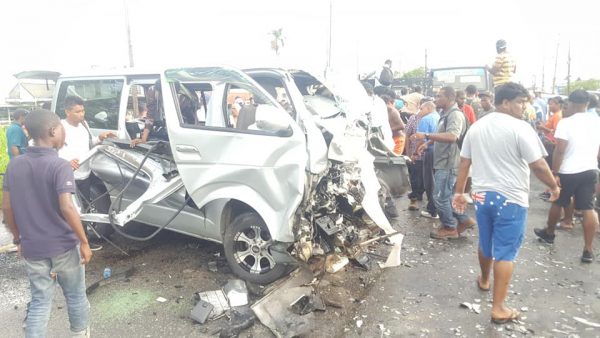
{"x":419,"y":298}
{"x":550,"y":286}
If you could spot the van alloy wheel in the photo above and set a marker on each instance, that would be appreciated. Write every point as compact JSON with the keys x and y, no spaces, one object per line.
{"x":247,"y":243}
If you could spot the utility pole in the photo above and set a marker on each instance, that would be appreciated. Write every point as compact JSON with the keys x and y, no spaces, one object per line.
{"x":569,"y":70}
{"x":129,"y":44}
{"x":425,"y":60}
{"x":134,"y":92}
{"x":330,"y":28}
{"x":555,"y":67}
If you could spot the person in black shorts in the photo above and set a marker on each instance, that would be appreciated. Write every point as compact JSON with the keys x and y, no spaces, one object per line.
{"x":576,"y":169}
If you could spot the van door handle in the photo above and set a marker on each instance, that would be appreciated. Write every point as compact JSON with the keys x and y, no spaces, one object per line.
{"x":186,"y":149}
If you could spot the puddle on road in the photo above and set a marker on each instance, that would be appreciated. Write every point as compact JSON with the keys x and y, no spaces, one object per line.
{"x":119,"y":304}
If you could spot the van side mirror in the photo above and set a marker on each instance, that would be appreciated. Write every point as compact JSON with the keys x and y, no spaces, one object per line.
{"x":272,"y":119}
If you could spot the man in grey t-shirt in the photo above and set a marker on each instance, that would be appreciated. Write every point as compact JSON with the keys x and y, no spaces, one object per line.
{"x":446,"y":153}
{"x":502,"y":148}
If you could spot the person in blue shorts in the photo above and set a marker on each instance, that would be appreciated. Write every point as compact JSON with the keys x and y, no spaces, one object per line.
{"x":502,"y":149}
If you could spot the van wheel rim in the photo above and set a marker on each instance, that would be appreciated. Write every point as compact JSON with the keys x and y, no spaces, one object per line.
{"x":252,"y":250}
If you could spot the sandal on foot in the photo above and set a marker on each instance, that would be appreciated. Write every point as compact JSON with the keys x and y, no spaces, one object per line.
{"x":479,"y":285}
{"x":514,"y":314}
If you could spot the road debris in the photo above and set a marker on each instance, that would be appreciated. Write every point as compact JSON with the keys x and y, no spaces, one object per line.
{"x":201,"y":311}
{"x":161,"y":299}
{"x":275,"y":309}
{"x":212,"y":266}
{"x":121,"y":276}
{"x":473,"y":307}
{"x":335,"y":262}
{"x":218,"y":300}
{"x":240,"y":319}
{"x":236,"y":292}
{"x":586,"y":322}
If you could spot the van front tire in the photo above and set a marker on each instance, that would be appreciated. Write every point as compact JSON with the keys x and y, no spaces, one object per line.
{"x":247,"y":243}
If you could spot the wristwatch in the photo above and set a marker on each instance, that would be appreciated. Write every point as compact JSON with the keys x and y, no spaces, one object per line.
{"x":17,"y":241}
{"x":427,"y":136}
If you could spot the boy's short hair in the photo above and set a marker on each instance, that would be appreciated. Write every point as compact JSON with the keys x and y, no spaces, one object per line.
{"x":73,"y":100}
{"x":19,"y":113}
{"x":509,"y":91}
{"x":39,"y":122}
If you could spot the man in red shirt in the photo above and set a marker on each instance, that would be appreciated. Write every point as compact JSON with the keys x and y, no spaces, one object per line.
{"x":466,"y":109}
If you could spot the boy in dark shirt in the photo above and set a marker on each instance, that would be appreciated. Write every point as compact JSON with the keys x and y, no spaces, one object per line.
{"x":39,"y":212}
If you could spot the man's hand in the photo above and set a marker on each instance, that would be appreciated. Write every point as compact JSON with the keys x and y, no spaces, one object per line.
{"x":554,"y":194}
{"x":86,"y":253}
{"x":421,"y":149}
{"x":75,"y":164}
{"x":417,"y":136}
{"x":106,"y":135}
{"x":459,"y":203}
{"x":135,"y":142}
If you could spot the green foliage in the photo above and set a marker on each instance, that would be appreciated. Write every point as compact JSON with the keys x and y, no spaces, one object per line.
{"x":3,"y":155}
{"x":591,"y":84}
{"x":415,"y":73}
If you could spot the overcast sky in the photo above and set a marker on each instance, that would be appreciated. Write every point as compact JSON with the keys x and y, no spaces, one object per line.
{"x":72,"y":35}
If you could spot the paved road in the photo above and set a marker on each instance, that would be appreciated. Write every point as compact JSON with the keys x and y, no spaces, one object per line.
{"x":422,"y":299}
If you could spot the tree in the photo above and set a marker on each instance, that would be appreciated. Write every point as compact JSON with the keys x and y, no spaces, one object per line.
{"x":591,"y":84}
{"x":278,"y":40}
{"x":415,"y":73}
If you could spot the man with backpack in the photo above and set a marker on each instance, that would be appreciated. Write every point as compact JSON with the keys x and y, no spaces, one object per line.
{"x":452,"y":128}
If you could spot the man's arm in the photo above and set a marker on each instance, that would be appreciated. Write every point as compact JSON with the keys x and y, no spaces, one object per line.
{"x":459,"y":202}
{"x":9,"y":216}
{"x":542,"y":172}
{"x":70,"y":215}
{"x":559,"y":154}
{"x":15,"y":151}
{"x":395,"y":121}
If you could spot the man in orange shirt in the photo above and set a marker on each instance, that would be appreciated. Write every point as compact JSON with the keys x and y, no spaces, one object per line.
{"x":466,"y":109}
{"x":555,"y":107}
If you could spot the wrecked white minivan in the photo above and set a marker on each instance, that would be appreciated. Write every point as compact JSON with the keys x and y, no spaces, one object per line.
{"x":272,"y":191}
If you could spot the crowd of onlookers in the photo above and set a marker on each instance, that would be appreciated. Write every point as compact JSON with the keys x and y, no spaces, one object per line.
{"x":479,"y":148}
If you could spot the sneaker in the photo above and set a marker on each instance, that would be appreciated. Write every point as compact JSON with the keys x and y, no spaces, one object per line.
{"x":587,"y":256}
{"x":544,"y":236}
{"x":426,"y":213}
{"x":468,"y":198}
{"x":84,"y":333}
{"x":444,"y":233}
{"x":545,"y":196}
{"x":95,"y":247}
{"x":413,"y":206}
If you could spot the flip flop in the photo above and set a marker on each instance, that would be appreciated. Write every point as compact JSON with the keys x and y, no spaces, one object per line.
{"x":514,"y":314}
{"x":479,"y":285}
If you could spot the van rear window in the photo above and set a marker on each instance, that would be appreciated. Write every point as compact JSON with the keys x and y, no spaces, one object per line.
{"x":102,"y":99}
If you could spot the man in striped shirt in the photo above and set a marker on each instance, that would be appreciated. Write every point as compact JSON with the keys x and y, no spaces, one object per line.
{"x":504,"y":66}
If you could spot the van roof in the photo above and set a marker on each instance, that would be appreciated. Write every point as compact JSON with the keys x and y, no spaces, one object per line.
{"x":113,"y":72}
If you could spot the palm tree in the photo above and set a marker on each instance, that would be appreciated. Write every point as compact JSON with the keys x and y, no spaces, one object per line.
{"x":278,"y":41}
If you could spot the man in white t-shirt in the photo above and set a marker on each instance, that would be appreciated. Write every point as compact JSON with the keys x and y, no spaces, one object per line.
{"x":502,"y":149}
{"x":575,"y":164}
{"x":78,"y":141}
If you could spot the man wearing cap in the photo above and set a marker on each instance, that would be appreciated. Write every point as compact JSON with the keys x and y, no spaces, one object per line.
{"x":16,"y":140}
{"x":575,"y":165}
{"x":504,"y":67}
{"x":485,"y":99}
